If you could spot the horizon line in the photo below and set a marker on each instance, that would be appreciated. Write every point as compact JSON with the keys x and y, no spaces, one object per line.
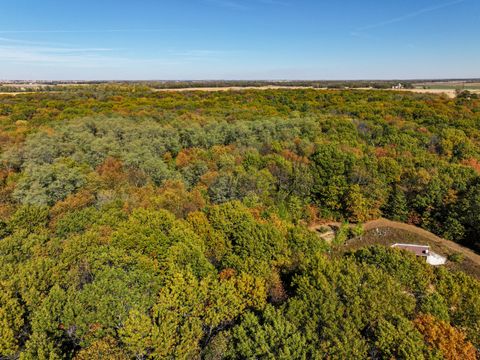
{"x":246,"y":80}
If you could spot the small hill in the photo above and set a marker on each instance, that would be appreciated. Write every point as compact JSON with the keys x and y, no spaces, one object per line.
{"x":386,"y":232}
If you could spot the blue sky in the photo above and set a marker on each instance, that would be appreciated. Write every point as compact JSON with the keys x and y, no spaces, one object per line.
{"x":239,"y":39}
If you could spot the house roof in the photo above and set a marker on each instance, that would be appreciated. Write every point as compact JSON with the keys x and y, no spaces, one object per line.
{"x":419,"y":250}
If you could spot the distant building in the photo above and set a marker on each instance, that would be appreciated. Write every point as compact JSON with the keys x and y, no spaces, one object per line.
{"x":423,"y":251}
{"x":397,"y":87}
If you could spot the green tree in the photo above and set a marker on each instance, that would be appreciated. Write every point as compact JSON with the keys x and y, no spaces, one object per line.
{"x":46,"y":184}
{"x":397,"y":207}
{"x":267,"y":336}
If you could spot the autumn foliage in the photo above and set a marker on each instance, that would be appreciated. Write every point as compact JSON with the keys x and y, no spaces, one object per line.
{"x":451,"y":342}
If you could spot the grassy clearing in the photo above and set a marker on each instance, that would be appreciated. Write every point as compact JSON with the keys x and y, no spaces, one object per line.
{"x":387,"y":236}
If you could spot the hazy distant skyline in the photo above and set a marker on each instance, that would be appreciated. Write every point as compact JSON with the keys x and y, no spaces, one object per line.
{"x":239,"y":39}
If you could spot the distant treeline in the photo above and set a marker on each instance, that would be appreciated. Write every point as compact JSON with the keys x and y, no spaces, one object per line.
{"x":10,"y":88}
{"x":314,"y":84}
{"x":64,"y":86}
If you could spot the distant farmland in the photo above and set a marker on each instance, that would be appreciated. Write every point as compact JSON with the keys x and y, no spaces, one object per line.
{"x":449,"y":85}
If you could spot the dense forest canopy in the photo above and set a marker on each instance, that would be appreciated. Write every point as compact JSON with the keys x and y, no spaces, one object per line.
{"x":138,"y":223}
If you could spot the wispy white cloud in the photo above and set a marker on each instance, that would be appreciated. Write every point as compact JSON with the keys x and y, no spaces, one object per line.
{"x":80,"y":58}
{"x":55,"y":56}
{"x":17,"y":41}
{"x":12,"y":41}
{"x":414,"y":14}
{"x":15,"y":51}
{"x":46,"y":47}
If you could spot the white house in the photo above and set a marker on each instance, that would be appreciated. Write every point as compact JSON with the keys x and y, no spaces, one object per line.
{"x":423,"y":251}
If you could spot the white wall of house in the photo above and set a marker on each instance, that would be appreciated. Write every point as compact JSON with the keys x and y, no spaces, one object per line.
{"x":435,"y":259}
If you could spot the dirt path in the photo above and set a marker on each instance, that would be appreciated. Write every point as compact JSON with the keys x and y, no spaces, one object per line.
{"x":384,"y":223}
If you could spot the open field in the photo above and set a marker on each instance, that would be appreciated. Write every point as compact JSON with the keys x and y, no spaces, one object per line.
{"x":439,"y":88}
{"x":451,"y":93}
{"x":448,"y":92}
{"x":449,"y":85}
